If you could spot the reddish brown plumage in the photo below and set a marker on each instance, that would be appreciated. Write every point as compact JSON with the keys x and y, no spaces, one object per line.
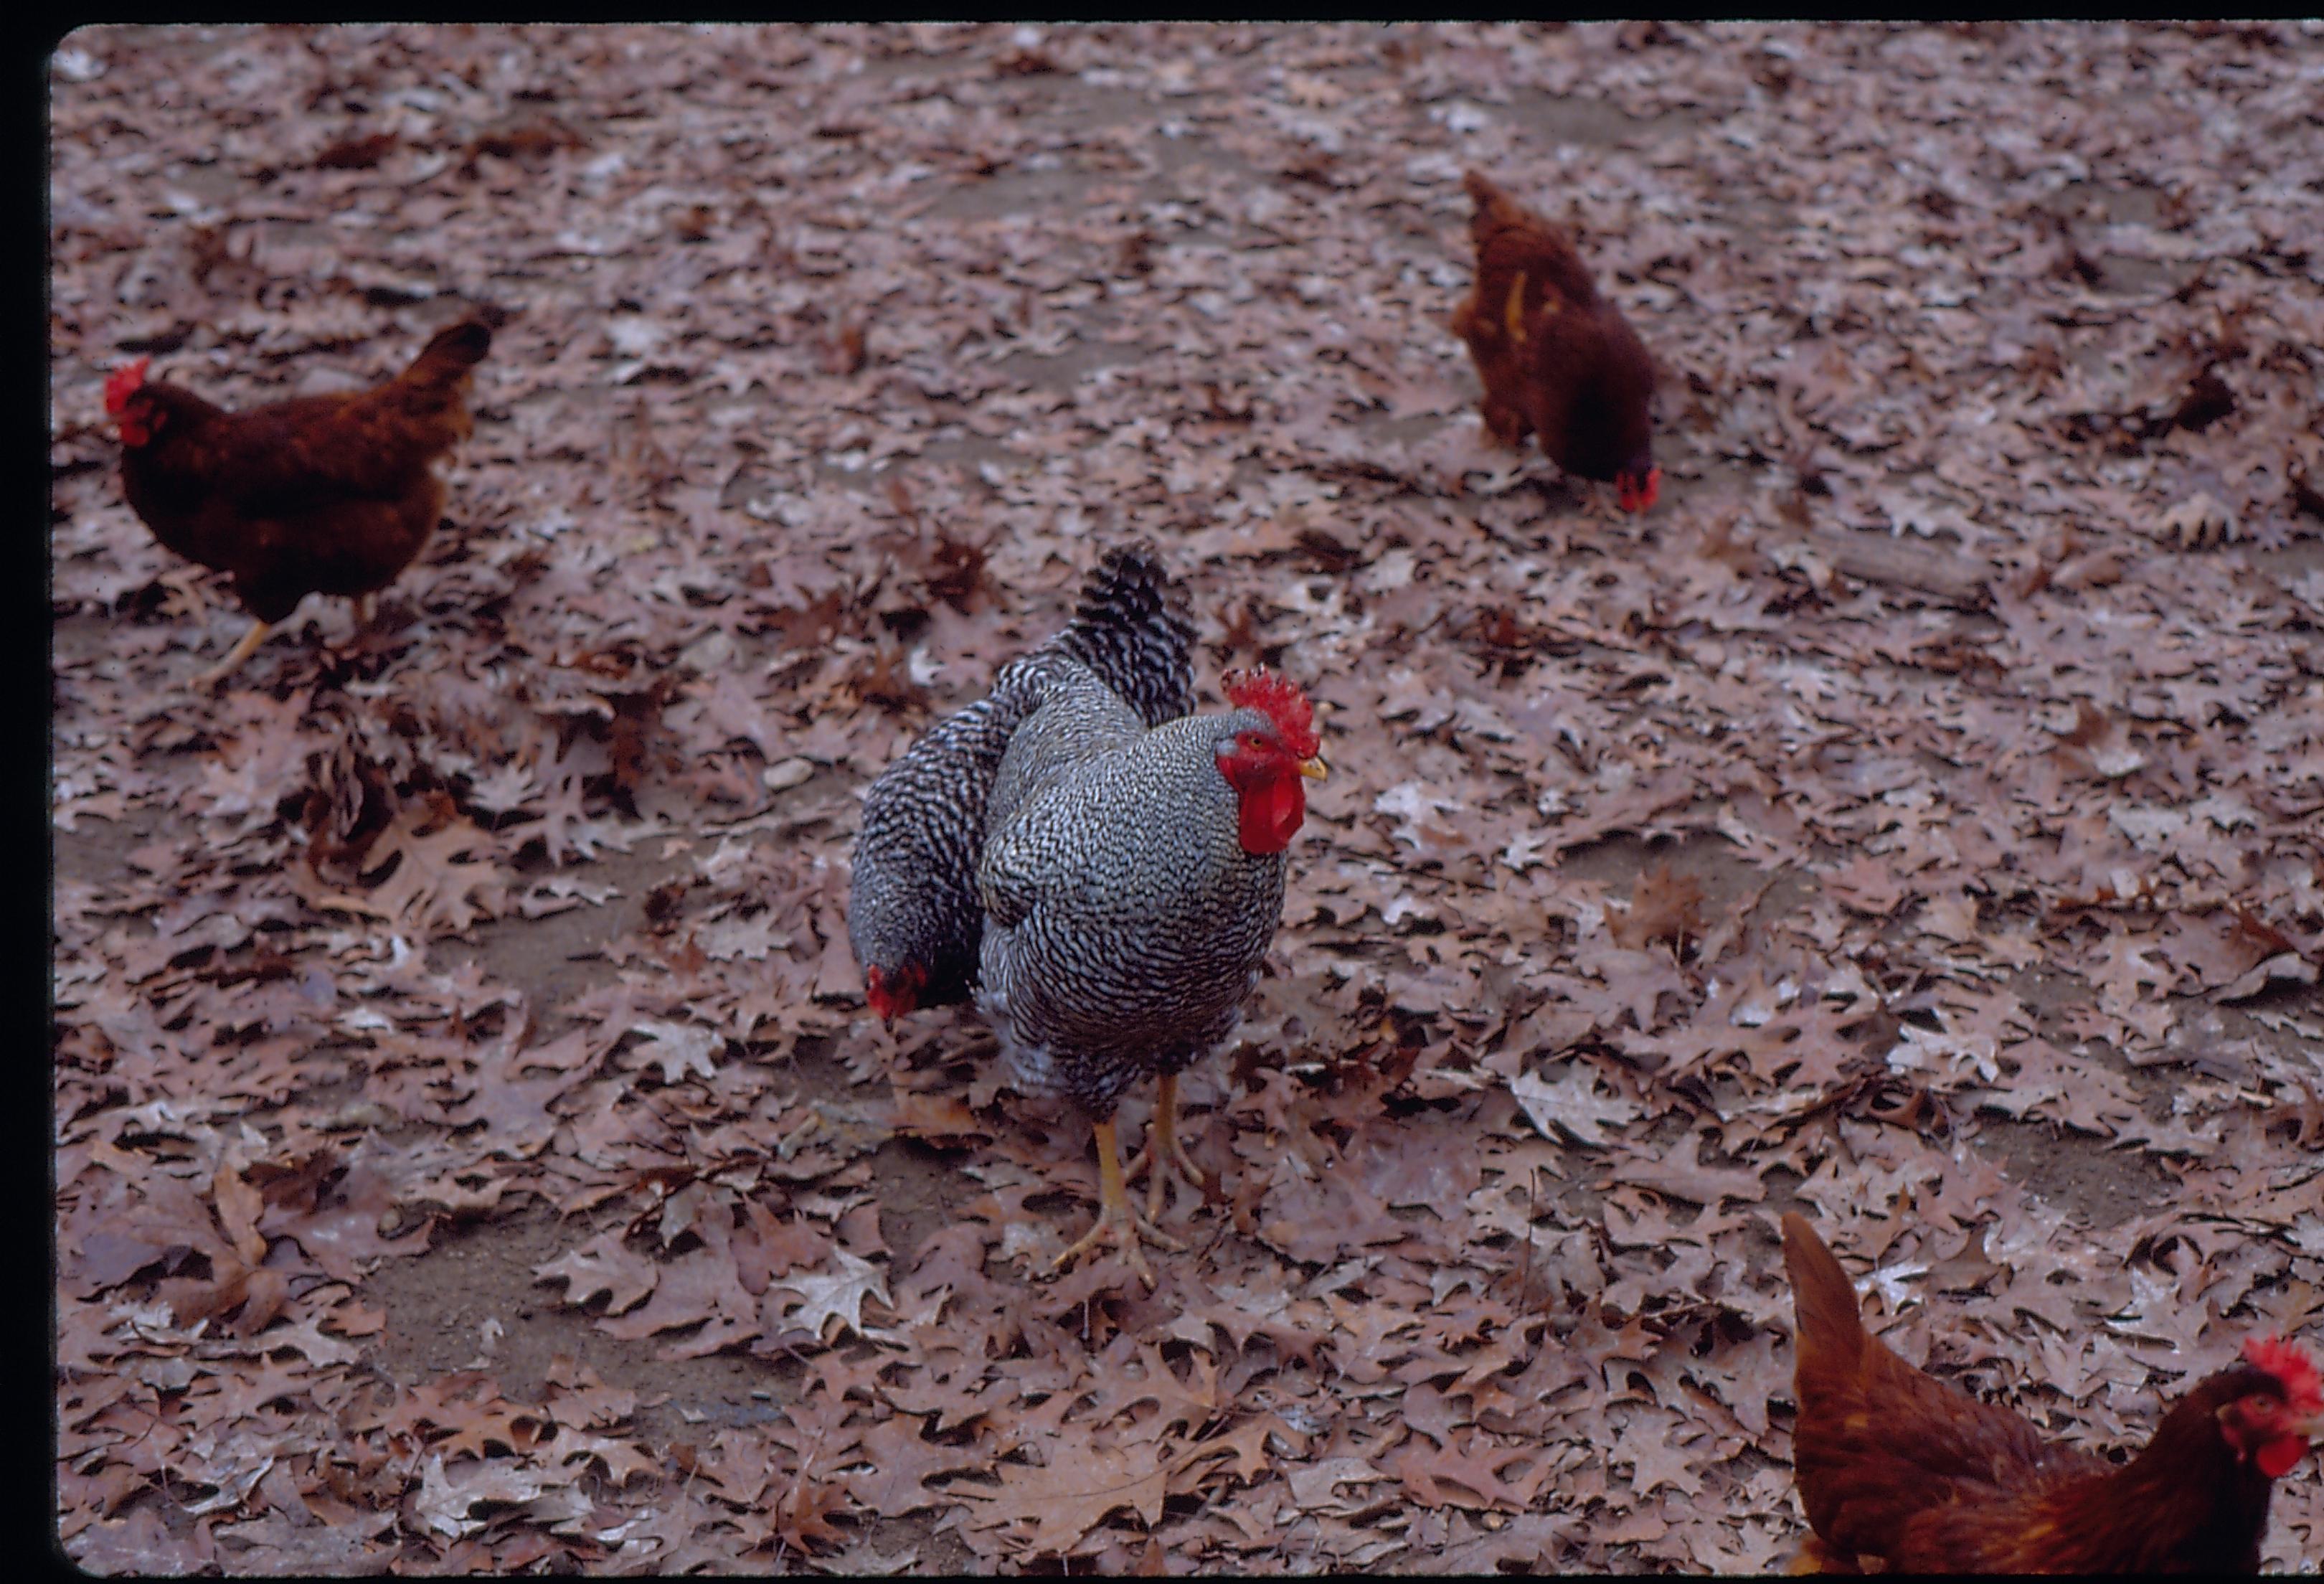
{"x":318,"y":494}
{"x":1557,"y":360}
{"x":1894,"y":1464}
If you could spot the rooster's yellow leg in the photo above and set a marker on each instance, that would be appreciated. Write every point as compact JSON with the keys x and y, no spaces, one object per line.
{"x":1164,"y":1145}
{"x":236,"y":655}
{"x":1117,"y":1223}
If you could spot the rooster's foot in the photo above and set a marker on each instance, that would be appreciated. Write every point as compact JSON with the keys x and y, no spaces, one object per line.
{"x":1117,"y":1223}
{"x":1125,"y":1229}
{"x":1194,"y":1176}
{"x":1163,"y":1143}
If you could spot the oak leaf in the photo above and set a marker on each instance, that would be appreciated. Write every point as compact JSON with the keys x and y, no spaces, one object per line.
{"x":835,"y":1295}
{"x":601,"y":1266}
{"x":1573,"y":1106}
{"x":1065,"y":1501}
{"x":903,"y":1460}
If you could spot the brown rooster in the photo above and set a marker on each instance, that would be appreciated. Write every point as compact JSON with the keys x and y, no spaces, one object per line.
{"x":1894,"y":1464}
{"x":318,"y":494}
{"x":1557,"y":360}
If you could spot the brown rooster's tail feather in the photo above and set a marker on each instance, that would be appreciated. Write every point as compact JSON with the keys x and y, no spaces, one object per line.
{"x":1827,"y":1327}
{"x":1510,"y":237}
{"x":1495,"y":207}
{"x":446,"y":360}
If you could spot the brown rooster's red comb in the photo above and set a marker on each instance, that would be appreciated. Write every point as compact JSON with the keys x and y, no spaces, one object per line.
{"x":2288,"y":1362}
{"x":123,"y":383}
{"x":1281,"y":702}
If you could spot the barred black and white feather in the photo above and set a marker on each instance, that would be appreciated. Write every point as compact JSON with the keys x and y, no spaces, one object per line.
{"x":1130,"y":626}
{"x":913,"y":915}
{"x":1125,"y":922}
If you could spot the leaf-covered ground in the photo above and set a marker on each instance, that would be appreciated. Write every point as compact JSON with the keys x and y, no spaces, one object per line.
{"x":472,"y":1149}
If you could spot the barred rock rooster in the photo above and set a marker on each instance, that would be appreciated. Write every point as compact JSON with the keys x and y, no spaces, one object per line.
{"x":1895,"y":1464}
{"x":913,"y":915}
{"x":1132,"y":879}
{"x":317,"y":495}
{"x":1557,"y":360}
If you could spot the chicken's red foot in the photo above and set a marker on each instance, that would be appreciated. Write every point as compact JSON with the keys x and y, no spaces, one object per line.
{"x":1117,"y":1223}
{"x":235,"y":656}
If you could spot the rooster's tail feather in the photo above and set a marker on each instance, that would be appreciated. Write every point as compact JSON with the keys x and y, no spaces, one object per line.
{"x":446,"y":360}
{"x":1511,"y":238}
{"x":1488,"y":198}
{"x":1827,"y":1327}
{"x":1131,"y":628}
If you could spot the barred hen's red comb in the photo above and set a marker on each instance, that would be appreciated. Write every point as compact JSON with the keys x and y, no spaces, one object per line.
{"x":122,"y":383}
{"x":1281,"y":702}
{"x":2288,"y":1362}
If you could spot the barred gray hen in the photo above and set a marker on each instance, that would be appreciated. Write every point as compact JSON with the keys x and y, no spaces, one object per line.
{"x":1132,"y":879}
{"x":913,"y":917}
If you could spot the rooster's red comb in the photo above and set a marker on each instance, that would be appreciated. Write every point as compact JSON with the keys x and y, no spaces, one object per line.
{"x":2288,"y":1362}
{"x":122,"y":383}
{"x":1281,"y":702}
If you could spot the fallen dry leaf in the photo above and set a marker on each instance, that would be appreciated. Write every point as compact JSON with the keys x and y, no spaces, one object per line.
{"x":1893,"y":818}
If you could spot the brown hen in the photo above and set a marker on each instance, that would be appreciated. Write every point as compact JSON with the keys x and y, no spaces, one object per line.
{"x":1557,"y":360}
{"x":318,"y":494}
{"x":1895,"y":1465}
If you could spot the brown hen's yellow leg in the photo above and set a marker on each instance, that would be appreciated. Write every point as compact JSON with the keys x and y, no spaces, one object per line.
{"x":1117,"y":1223}
{"x":1165,"y":1146}
{"x":236,"y":655}
{"x":366,"y":607}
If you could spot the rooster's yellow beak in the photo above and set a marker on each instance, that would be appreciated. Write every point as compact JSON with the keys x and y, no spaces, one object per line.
{"x":1314,"y":769}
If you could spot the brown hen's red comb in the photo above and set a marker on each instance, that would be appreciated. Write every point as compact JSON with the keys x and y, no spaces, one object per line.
{"x":2288,"y":1362}
{"x":123,"y":383}
{"x":1281,"y":702}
